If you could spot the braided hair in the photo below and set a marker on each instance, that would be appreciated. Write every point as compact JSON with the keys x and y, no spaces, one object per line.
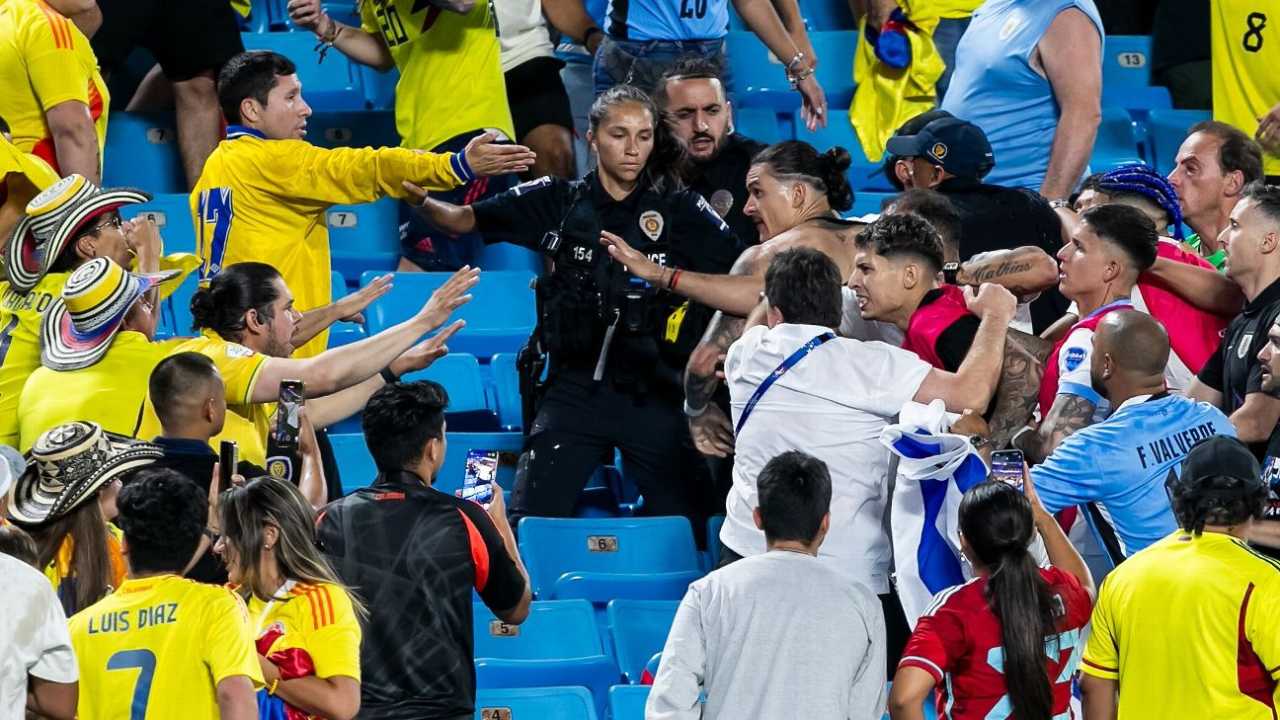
{"x":1141,"y":180}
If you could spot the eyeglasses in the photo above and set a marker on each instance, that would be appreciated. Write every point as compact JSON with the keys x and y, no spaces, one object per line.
{"x":115,"y":222}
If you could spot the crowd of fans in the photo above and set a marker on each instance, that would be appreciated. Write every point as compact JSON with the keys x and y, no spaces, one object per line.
{"x":1011,"y":443}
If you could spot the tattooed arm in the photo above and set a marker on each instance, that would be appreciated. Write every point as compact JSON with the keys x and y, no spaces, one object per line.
{"x":1023,"y":271}
{"x":1016,"y":394}
{"x":1068,"y":414}
{"x":711,"y":430}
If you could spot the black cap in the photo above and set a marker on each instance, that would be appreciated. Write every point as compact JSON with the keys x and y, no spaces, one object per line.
{"x":1221,"y":457}
{"x":960,"y":147}
{"x":910,"y":127}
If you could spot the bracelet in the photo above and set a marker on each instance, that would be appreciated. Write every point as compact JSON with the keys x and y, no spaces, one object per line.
{"x":675,"y":279}
{"x":389,"y":376}
{"x":326,"y":43}
{"x":795,"y":60}
{"x":690,"y":412}
{"x":274,"y":684}
{"x":1059,"y":204}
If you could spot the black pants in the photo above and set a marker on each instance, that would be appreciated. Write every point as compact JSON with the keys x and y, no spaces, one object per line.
{"x":896,"y":629}
{"x":578,"y":425}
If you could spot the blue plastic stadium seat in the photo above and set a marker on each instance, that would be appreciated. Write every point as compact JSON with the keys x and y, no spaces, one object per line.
{"x":714,"y":523}
{"x":601,"y":587}
{"x":352,"y":128}
{"x":1137,"y":99}
{"x":345,"y":333}
{"x":829,"y":15}
{"x":1117,"y":141}
{"x":333,"y":85}
{"x":863,"y":173}
{"x":558,"y":644}
{"x":542,"y":703}
{"x":453,"y":471}
{"x":364,"y":238}
{"x":354,"y":462}
{"x":639,"y":629}
{"x":552,"y":547}
{"x":468,"y":409}
{"x":1127,"y":62}
{"x":506,"y":385}
{"x":760,"y":79}
{"x":1166,"y":129}
{"x":866,"y":202}
{"x":759,"y":124}
{"x":626,"y":702}
{"x":500,"y":316}
{"x":142,"y":152}
{"x":172,"y":215}
{"x":506,"y":256}
{"x":259,"y":17}
{"x":379,"y":87}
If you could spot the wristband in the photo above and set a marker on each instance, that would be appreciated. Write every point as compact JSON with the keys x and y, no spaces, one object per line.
{"x":690,"y":412}
{"x":950,"y":272}
{"x":461,"y":168}
{"x":1013,"y":441}
{"x":586,"y":36}
{"x":389,"y":376}
{"x":675,"y":279}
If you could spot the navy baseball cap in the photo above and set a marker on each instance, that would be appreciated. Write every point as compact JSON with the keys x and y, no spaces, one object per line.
{"x":960,"y":147}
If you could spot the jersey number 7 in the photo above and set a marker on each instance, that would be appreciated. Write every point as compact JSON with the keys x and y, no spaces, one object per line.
{"x":145,"y":662}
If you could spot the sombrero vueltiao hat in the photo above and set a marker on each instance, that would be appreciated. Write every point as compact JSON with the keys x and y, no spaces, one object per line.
{"x":78,"y":327}
{"x":67,"y":465}
{"x":53,"y":218}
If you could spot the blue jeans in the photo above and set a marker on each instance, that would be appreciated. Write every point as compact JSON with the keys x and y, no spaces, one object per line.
{"x":641,"y":63}
{"x":946,"y":37}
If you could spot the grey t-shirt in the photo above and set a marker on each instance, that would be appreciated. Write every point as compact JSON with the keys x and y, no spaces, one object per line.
{"x":778,"y":635}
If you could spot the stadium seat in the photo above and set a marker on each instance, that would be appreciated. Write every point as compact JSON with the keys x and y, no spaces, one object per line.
{"x":1166,"y":129}
{"x":506,"y":256}
{"x":364,"y":238}
{"x":468,"y":409}
{"x":864,"y":174}
{"x":558,"y":644}
{"x":1127,"y":62}
{"x":345,"y":333}
{"x":506,"y":385}
{"x":552,"y":547}
{"x":352,"y":128}
{"x":868,"y":202}
{"x":760,"y":79}
{"x":758,"y":124}
{"x":542,"y":703}
{"x":601,"y":587}
{"x":499,"y":318}
{"x":175,"y":311}
{"x":354,"y":463}
{"x":1137,"y":99}
{"x":714,"y":523}
{"x":142,"y":152}
{"x":1117,"y":141}
{"x":453,"y":471}
{"x":333,"y":85}
{"x":639,"y":629}
{"x":379,"y":87}
{"x":829,"y":15}
{"x":172,"y":215}
{"x":626,"y":702}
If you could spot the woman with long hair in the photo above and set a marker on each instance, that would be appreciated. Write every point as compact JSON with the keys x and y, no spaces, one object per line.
{"x":1004,"y":644}
{"x":305,"y":621}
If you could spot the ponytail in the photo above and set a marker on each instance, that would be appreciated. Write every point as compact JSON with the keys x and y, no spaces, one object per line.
{"x":997,"y":523}
{"x":221,"y":305}
{"x":836,"y":162}
{"x":826,"y":172}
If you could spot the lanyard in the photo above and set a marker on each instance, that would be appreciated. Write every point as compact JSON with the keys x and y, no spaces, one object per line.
{"x":786,"y":365}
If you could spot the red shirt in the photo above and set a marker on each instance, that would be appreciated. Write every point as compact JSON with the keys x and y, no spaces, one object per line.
{"x":940,"y":310}
{"x":1194,"y":334}
{"x":957,"y":641}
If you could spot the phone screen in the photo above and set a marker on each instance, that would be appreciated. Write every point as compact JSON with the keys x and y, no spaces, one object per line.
{"x":1006,"y":466}
{"x":288,"y":419}
{"x":481,"y":475}
{"x":228,"y":459}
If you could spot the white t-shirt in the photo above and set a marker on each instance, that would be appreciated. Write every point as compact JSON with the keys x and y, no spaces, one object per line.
{"x":832,"y":404}
{"x":853,"y":326}
{"x":779,"y":635}
{"x":522,"y":34}
{"x":35,"y":639}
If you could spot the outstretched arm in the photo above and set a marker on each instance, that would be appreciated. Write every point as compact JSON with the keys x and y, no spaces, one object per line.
{"x":456,"y":219}
{"x":1023,"y":270}
{"x":362,"y":47}
{"x":736,"y":293}
{"x":1203,"y":287}
{"x":316,"y":321}
{"x":974,"y":382}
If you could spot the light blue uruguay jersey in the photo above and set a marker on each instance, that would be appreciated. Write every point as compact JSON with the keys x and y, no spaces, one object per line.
{"x":669,"y":19}
{"x":1122,"y":463}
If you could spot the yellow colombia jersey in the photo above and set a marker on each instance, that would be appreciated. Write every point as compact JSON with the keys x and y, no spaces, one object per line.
{"x":265,"y":200}
{"x":309,"y":630}
{"x":20,"y":345}
{"x":158,"y":647}
{"x":109,"y":392}
{"x":1223,"y":658}
{"x":45,"y":60}
{"x":22,"y":177}
{"x":451,"y":78}
{"x":1245,"y":53}
{"x":246,"y":423}
{"x":939,"y":8}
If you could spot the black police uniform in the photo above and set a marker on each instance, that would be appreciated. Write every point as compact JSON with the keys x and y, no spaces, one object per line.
{"x":1234,"y":370}
{"x":723,"y":182}
{"x":616,"y":347}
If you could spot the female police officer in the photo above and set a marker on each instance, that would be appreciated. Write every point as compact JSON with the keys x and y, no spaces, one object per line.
{"x":616,"y":345}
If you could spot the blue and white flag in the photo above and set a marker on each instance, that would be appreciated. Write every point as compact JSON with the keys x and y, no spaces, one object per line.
{"x":934,"y":470}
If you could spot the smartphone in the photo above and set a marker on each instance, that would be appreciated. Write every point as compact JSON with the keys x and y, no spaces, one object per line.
{"x":288,"y":423}
{"x":481,"y":474}
{"x":228,"y":459}
{"x":1006,"y":466}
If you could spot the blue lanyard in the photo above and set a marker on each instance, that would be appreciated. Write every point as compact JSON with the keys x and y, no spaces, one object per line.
{"x":786,"y":365}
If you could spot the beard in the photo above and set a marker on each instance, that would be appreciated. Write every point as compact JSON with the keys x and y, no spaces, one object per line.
{"x":1096,"y":383}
